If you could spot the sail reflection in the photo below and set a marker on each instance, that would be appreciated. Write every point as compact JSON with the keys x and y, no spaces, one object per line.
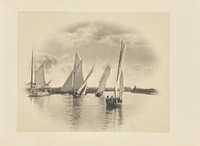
{"x":87,"y":113}
{"x":38,"y":101}
{"x":75,"y":112}
{"x":113,"y":117}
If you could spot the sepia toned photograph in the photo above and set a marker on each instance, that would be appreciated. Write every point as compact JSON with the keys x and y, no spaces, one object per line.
{"x":93,"y":72}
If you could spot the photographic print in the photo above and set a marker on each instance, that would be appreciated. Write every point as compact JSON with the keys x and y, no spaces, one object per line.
{"x":93,"y":72}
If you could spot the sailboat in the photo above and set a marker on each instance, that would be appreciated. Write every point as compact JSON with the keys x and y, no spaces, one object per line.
{"x":75,"y":83}
{"x":82,"y":89}
{"x":75,"y":79}
{"x":118,"y":94}
{"x":40,"y":87}
{"x":32,"y":85}
{"x":102,"y":82}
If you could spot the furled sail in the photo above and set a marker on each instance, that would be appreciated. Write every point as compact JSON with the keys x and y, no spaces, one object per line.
{"x":104,"y":78}
{"x":39,"y":77}
{"x":121,"y":85}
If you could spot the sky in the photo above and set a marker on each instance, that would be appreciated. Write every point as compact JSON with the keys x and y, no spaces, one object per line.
{"x":56,"y":36}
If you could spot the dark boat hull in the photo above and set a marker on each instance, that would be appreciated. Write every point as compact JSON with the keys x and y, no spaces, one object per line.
{"x":98,"y":94}
{"x":113,"y":103}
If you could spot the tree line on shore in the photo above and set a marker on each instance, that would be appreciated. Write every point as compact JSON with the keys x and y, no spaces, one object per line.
{"x":135,"y":89}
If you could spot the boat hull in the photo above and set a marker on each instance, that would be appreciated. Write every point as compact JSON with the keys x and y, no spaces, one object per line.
{"x":32,"y":95}
{"x":98,"y":94}
{"x":113,"y":102}
{"x":113,"y":105}
{"x":39,"y":94}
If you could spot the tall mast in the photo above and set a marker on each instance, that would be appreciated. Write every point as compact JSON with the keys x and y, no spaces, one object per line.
{"x":119,"y":67}
{"x":32,"y":70}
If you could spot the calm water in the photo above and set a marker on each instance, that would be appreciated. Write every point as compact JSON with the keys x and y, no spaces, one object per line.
{"x":64,"y":113}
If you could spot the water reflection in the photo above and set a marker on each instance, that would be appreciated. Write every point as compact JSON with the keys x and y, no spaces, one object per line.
{"x":31,"y":99}
{"x":113,"y":117}
{"x":75,"y":116}
{"x":80,"y":114}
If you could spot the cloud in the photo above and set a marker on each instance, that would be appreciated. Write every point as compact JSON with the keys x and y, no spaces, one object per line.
{"x":57,"y":68}
{"x":101,"y":41}
{"x":101,"y":29}
{"x":86,"y":33}
{"x":66,"y":68}
{"x":65,"y":58}
{"x":48,"y":60}
{"x":98,"y":43}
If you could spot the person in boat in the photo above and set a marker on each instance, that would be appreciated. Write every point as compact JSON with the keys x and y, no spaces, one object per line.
{"x":115,"y":100}
{"x":118,"y":100}
{"x":107,"y":98}
{"x":111,"y":98}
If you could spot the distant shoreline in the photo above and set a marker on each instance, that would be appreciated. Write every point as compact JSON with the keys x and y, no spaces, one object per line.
{"x":150,"y":91}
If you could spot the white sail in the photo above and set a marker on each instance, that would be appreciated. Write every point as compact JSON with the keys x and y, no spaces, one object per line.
{"x":77,"y":61}
{"x":39,"y":77}
{"x":75,"y":79}
{"x":119,"y":67}
{"x":78,"y":77}
{"x":84,"y":91}
{"x":68,"y":84}
{"x":104,"y":78}
{"x":89,"y":74}
{"x":121,"y":85}
{"x":83,"y":86}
